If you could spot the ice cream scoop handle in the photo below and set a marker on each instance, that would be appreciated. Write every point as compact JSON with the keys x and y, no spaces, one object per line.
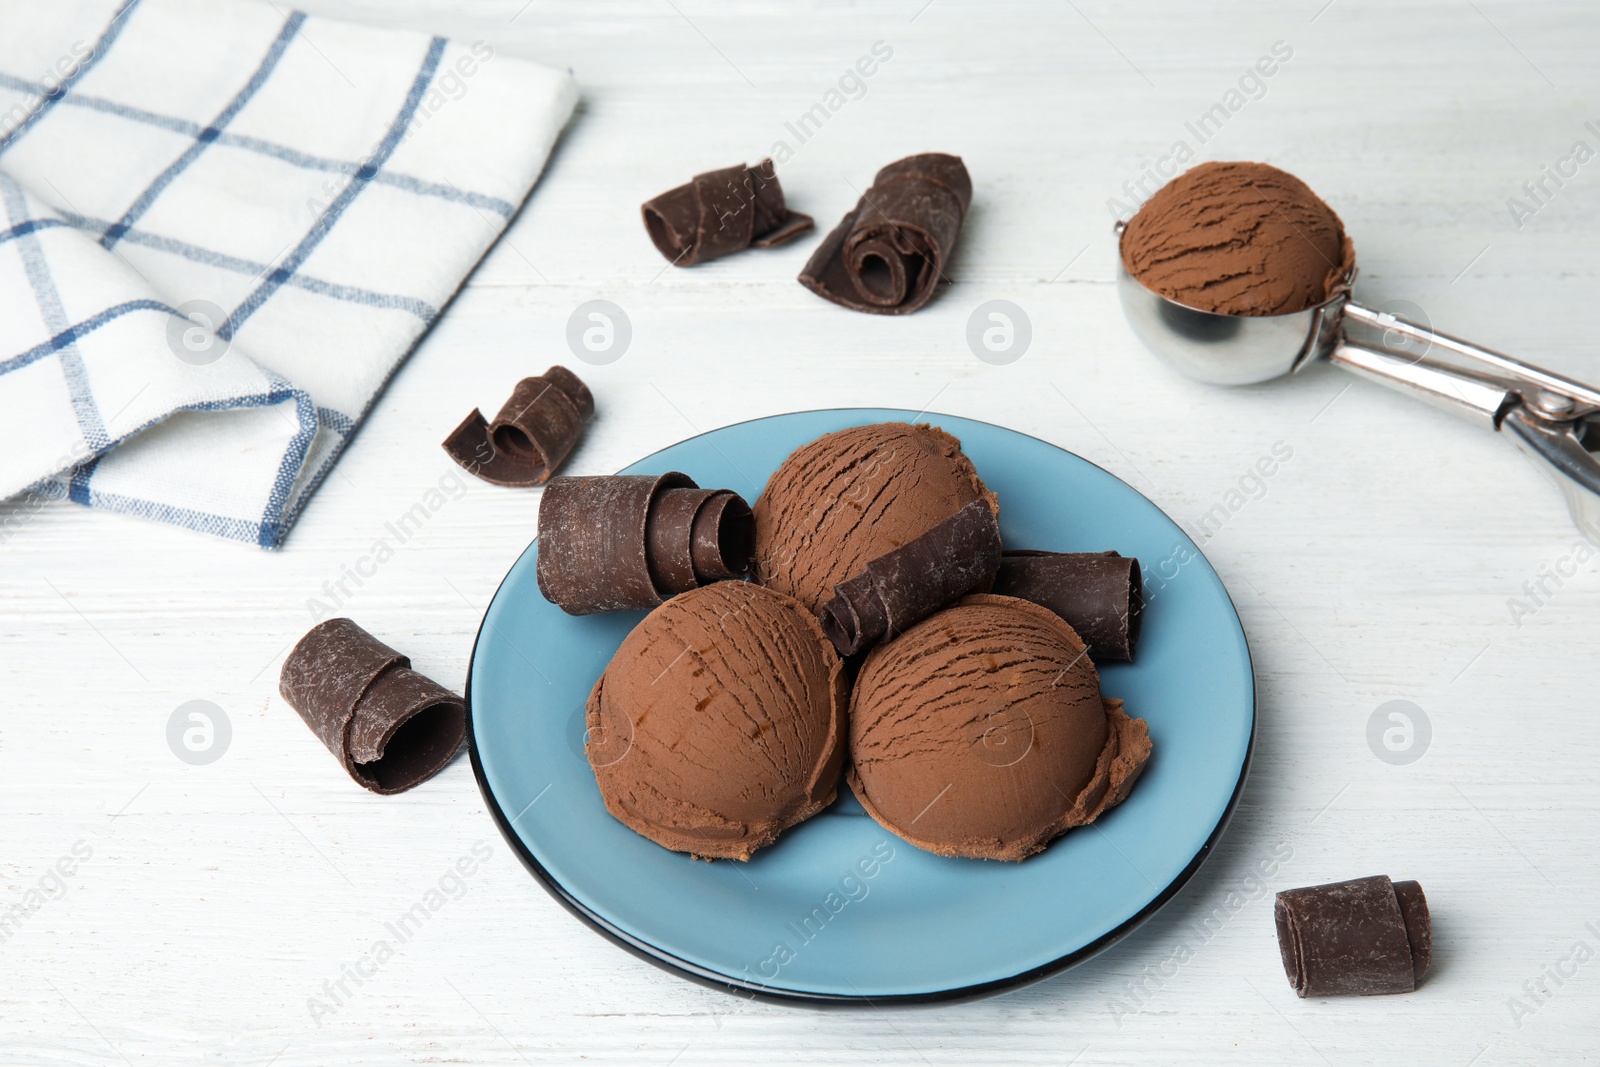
{"x":1557,"y":445}
{"x":1522,"y":373}
{"x":1552,"y":419}
{"x":1480,"y":400}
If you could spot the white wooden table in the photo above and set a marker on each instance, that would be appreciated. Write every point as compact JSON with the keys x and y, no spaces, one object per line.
{"x":1377,"y":564}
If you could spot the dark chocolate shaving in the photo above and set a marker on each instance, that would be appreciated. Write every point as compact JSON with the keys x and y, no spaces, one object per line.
{"x":626,"y":542}
{"x":669,"y":538}
{"x":390,"y":727}
{"x":887,"y":255}
{"x":721,"y":212}
{"x":533,"y":434}
{"x":723,"y":538}
{"x":1099,"y":594}
{"x":1363,"y":937}
{"x":1419,"y":926}
{"x":907,"y":585}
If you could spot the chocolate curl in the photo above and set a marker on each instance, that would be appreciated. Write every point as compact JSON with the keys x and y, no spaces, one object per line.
{"x":1099,"y":594}
{"x":533,"y":434}
{"x":723,"y":538}
{"x":907,"y":585}
{"x":721,"y":212}
{"x":627,"y":542}
{"x":887,"y":255}
{"x":389,"y":726}
{"x":1358,"y":938}
{"x":695,"y":536}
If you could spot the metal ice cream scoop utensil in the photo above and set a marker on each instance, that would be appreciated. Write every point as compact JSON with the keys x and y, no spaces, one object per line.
{"x":1553,"y":419}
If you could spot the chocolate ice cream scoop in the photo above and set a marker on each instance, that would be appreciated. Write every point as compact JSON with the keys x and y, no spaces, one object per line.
{"x":1239,"y":239}
{"x":719,"y":723}
{"x":1235,"y":273}
{"x":981,"y":732}
{"x":854,"y":495}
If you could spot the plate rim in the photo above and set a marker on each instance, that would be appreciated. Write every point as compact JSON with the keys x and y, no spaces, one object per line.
{"x":704,"y":976}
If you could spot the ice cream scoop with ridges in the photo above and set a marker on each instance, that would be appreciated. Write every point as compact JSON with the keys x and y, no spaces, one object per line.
{"x":981,"y":732}
{"x":1239,"y":239}
{"x":719,"y":722}
{"x":853,"y":495}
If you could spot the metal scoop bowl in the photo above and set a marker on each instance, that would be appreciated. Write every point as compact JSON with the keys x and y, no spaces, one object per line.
{"x":1553,"y":419}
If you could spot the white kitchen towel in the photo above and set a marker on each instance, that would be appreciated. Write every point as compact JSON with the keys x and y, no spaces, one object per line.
{"x":223,"y":225}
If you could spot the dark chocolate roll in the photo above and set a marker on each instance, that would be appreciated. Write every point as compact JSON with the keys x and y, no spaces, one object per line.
{"x":887,"y":255}
{"x":669,"y":539}
{"x":907,"y":585}
{"x":723,"y":538}
{"x":533,"y":434}
{"x":721,"y":212}
{"x":1363,"y":937}
{"x":390,"y":727}
{"x":1099,"y":594}
{"x":627,"y":542}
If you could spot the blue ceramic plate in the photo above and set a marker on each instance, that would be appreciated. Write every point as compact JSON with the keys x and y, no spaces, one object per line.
{"x":839,"y":908}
